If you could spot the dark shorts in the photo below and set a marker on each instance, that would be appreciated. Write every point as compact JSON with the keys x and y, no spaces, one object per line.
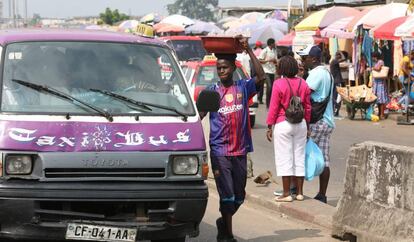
{"x":230,"y":174}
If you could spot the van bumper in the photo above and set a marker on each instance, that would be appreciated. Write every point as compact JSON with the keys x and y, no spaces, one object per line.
{"x":159,"y":210}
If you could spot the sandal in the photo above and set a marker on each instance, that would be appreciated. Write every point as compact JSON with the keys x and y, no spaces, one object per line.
{"x":300,"y":197}
{"x":284,"y":199}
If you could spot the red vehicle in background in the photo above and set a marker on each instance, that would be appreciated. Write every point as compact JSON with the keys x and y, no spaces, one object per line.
{"x":200,"y":74}
{"x":187,"y":48}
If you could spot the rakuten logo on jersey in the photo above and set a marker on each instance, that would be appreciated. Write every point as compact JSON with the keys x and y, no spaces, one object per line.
{"x":230,"y":109}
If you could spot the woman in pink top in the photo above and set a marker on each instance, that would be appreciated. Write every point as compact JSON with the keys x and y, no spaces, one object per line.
{"x":289,"y":139}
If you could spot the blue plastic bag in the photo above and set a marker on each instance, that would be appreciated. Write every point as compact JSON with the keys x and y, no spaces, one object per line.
{"x":370,"y":111}
{"x":314,"y":161}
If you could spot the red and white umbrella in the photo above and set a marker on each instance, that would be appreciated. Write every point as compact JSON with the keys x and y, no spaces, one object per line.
{"x":406,"y":29}
{"x":168,"y":28}
{"x":387,"y":30}
{"x":302,"y":40}
{"x":381,"y":15}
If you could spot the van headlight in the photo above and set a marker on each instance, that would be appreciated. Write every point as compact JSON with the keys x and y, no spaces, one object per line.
{"x":185,"y":165}
{"x":18,"y":164}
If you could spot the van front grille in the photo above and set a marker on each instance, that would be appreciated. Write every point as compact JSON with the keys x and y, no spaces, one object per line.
{"x":104,"y":172}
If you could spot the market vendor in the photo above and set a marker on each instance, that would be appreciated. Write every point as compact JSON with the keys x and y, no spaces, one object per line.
{"x":406,"y":68}
{"x":379,"y":86}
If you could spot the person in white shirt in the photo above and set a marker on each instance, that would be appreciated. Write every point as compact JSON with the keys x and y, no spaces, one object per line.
{"x":244,"y":59}
{"x":268,"y":58}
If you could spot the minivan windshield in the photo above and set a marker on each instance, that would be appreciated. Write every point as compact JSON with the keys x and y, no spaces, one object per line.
{"x":88,"y":72}
{"x":189,"y":49}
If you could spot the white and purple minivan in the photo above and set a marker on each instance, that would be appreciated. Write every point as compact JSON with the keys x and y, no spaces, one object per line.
{"x":99,"y":139}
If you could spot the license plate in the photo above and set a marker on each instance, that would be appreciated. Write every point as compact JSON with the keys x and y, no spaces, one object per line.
{"x":77,"y":231}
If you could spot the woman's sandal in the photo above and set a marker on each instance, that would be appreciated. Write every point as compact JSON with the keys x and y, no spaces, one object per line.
{"x":300,"y":197}
{"x":284,"y":199}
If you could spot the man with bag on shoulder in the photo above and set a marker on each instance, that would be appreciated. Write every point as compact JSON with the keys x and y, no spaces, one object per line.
{"x":321,"y":83}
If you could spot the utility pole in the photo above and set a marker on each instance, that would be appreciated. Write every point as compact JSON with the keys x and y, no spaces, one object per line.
{"x":10,"y":14}
{"x":25,"y":13}
{"x":17,"y":13}
{"x":14,"y":12}
{"x":305,"y":8}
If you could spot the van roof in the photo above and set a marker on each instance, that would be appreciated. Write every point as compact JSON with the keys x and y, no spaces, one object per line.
{"x":181,"y":37}
{"x":23,"y":35}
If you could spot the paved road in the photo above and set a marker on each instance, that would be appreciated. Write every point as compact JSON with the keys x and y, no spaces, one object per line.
{"x":346,"y":133}
{"x":257,"y":224}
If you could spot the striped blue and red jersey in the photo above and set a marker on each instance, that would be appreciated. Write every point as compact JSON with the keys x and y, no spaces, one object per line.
{"x":230,"y":133}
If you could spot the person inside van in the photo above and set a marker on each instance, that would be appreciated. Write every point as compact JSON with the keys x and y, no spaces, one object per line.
{"x":230,"y":136}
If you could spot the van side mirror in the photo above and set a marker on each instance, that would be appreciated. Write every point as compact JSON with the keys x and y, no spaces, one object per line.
{"x":208,"y":101}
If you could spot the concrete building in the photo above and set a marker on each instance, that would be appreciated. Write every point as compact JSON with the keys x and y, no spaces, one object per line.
{"x":224,"y":12}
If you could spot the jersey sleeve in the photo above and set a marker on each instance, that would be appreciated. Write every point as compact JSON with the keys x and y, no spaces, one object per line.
{"x":251,"y":87}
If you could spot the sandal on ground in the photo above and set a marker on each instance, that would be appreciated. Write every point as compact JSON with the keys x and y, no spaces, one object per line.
{"x":293,"y":191}
{"x":284,"y":199}
{"x":300,"y":197}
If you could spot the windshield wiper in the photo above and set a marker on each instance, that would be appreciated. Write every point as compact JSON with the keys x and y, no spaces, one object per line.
{"x":122,"y":98}
{"x":139,"y":103}
{"x":64,"y":96}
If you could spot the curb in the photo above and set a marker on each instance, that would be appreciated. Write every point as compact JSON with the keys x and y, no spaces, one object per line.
{"x":309,"y":210}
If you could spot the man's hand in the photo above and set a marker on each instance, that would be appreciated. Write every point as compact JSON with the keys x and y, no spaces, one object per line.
{"x":269,"y":135}
{"x":244,"y":44}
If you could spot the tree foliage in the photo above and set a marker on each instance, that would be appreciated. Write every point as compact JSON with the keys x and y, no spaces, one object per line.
{"x":112,"y":16}
{"x":195,"y":9}
{"x":35,"y":19}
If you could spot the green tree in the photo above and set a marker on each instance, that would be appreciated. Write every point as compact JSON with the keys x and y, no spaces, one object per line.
{"x":112,"y":16}
{"x":35,"y":19}
{"x":195,"y":9}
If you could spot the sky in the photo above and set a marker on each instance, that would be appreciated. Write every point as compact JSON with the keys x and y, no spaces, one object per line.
{"x":71,"y":8}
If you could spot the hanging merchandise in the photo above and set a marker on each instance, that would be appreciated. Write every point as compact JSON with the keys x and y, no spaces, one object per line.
{"x":356,"y":56}
{"x":398,"y":56}
{"x":367,"y":47}
{"x":386,"y":51}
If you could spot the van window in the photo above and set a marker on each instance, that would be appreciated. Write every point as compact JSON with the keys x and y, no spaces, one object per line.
{"x":208,"y":75}
{"x":189,"y":49}
{"x":140,"y":72}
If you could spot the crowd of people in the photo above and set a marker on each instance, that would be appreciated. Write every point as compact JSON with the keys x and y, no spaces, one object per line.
{"x":298,"y":109}
{"x":301,"y":100}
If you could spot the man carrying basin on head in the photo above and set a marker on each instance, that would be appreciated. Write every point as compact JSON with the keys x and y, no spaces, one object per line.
{"x":230,"y":136}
